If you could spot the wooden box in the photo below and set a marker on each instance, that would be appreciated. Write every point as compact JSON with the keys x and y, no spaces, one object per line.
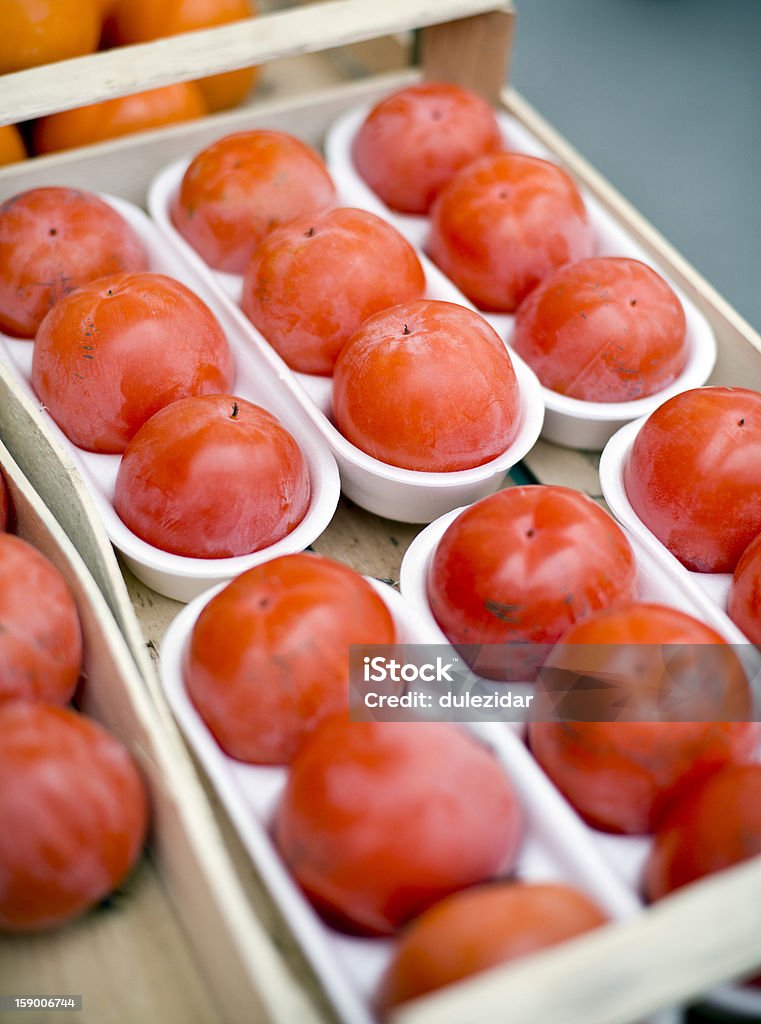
{"x":243,"y":965}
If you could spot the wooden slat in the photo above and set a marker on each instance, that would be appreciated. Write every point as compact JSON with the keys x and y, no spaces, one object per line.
{"x":72,"y":83}
{"x":472,"y":52}
{"x":125,"y":166}
{"x":234,"y":953}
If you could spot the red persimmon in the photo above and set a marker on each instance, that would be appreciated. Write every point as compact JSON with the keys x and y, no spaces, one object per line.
{"x":744,"y":601}
{"x":110,"y":119}
{"x":40,"y":634}
{"x":483,"y":927}
{"x":269,"y":655}
{"x":414,"y":141}
{"x":52,"y":240}
{"x":138,"y":21}
{"x":74,"y":814}
{"x":4,"y":504}
{"x":503,"y":224}
{"x":427,"y":385}
{"x":243,"y":186}
{"x":110,"y":355}
{"x":693,"y":475}
{"x":312,"y":283}
{"x":607,"y":329}
{"x":715,"y":825}
{"x":212,"y":477}
{"x":379,"y":820}
{"x":521,"y":566}
{"x":623,"y":775}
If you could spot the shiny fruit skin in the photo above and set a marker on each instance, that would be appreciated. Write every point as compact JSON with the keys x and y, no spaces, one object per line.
{"x":52,"y":241}
{"x":503,"y":224}
{"x":74,"y":812}
{"x":242,"y":187}
{"x":269,"y":655}
{"x":379,"y":820}
{"x":744,"y":601}
{"x":606,"y":329}
{"x":312,"y":283}
{"x":428,"y":386}
{"x":414,"y":141}
{"x":693,"y":475}
{"x":715,"y":825}
{"x":40,"y":633}
{"x":212,"y":476}
{"x":111,"y":354}
{"x":519,"y":567}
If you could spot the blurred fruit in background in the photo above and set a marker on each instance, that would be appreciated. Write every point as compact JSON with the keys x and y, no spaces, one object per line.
{"x":138,"y":21}
{"x":112,"y":118}
{"x":42,"y":31}
{"x":12,"y":146}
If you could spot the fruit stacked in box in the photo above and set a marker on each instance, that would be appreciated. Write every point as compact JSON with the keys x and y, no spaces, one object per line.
{"x":200,"y":461}
{"x":383,"y":840}
{"x":54,"y":30}
{"x":73,"y":803}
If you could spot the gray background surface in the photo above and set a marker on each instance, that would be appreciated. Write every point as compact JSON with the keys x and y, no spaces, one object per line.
{"x":664,"y":98}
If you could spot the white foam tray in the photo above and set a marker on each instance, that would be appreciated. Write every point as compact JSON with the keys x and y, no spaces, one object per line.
{"x":712,"y":587}
{"x":556,"y":847}
{"x":177,"y":576}
{"x":402,"y":494}
{"x":658,"y":582}
{"x":568,"y":421}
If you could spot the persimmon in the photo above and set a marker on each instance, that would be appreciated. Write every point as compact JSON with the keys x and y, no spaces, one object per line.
{"x":44,"y":31}
{"x":290,"y":293}
{"x":12,"y":148}
{"x":414,"y":141}
{"x":139,"y":21}
{"x":482,"y":927}
{"x":74,"y":811}
{"x":212,"y":476}
{"x":243,"y":186}
{"x":114,"y":352}
{"x":83,"y":126}
{"x":52,"y":241}
{"x":40,"y":633}
{"x":4,"y":505}
{"x":379,"y":820}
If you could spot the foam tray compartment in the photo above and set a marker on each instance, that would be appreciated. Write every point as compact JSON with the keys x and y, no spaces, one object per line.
{"x":568,"y":421}
{"x":177,"y":576}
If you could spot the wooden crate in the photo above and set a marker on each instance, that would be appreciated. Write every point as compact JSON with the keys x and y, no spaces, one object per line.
{"x":681,"y":947}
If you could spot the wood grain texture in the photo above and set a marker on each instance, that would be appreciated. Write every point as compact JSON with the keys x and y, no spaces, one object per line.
{"x":125,"y":166}
{"x":472,"y":52}
{"x":118,"y":72}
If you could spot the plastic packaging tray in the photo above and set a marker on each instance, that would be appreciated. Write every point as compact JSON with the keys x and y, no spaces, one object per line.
{"x":177,"y":576}
{"x":658,"y":582}
{"x":556,"y":846}
{"x":402,"y":494}
{"x":568,"y":421}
